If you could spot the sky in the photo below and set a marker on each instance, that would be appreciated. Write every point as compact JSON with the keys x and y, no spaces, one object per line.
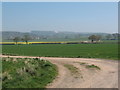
{"x":60,"y":16}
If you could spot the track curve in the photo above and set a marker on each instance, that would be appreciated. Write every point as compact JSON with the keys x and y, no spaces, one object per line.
{"x":106,"y":77}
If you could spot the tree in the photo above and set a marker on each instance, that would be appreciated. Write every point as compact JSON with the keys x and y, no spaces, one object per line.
{"x":26,"y":38}
{"x":16,"y":39}
{"x":98,"y":37}
{"x":94,"y":38}
{"x":115,"y":35}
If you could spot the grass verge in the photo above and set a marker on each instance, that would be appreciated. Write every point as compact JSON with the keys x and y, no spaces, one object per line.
{"x":27,"y":73}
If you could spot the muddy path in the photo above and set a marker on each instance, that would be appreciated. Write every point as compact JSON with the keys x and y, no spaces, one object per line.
{"x":82,"y":72}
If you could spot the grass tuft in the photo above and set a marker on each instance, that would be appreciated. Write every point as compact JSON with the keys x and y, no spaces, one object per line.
{"x":71,"y":68}
{"x":92,"y":66}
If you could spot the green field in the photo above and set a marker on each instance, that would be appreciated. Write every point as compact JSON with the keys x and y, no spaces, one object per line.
{"x":106,"y":51}
{"x":55,"y":40}
{"x":27,"y":73}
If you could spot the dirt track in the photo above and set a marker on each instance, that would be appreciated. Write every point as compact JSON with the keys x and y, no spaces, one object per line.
{"x":106,"y":77}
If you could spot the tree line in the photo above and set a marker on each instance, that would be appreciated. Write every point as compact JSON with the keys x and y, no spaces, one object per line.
{"x":93,"y":38}
{"x":25,"y":38}
{"x":115,"y":36}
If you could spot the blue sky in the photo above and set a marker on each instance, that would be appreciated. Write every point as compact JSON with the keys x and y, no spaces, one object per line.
{"x":60,"y":16}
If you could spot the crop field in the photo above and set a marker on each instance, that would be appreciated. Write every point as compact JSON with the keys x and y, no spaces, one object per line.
{"x":106,"y":51}
{"x":53,"y":40}
{"x":27,"y":73}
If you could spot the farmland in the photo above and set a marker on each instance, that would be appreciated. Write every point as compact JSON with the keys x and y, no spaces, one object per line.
{"x":106,"y":51}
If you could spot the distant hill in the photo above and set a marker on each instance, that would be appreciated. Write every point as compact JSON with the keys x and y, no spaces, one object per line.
{"x":9,"y":35}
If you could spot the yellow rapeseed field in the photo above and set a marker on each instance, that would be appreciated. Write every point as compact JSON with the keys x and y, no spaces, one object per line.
{"x":30,"y":42}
